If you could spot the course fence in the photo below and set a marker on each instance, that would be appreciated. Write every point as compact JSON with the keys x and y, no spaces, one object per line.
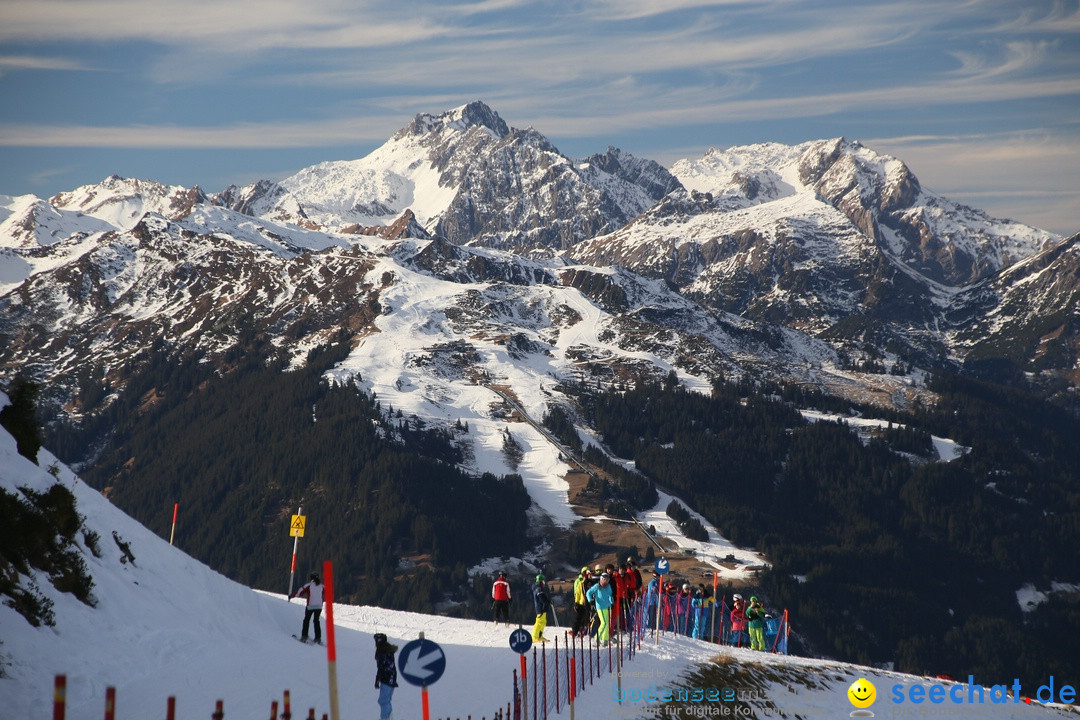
{"x":556,"y":672}
{"x":60,"y":705}
{"x":552,"y":675}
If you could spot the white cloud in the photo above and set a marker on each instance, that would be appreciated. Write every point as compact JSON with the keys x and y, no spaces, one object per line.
{"x":1028,"y":176}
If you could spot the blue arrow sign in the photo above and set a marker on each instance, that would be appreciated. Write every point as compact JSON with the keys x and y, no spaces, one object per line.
{"x":422,"y":662}
{"x":520,"y":641}
{"x":662,"y":566}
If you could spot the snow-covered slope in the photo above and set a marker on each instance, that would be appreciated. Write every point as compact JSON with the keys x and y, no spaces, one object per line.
{"x":165,"y":625}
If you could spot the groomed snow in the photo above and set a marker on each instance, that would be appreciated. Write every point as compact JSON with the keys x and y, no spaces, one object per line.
{"x":166,"y":625}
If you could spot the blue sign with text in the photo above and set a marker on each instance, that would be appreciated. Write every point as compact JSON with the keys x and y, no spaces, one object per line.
{"x":520,"y":641}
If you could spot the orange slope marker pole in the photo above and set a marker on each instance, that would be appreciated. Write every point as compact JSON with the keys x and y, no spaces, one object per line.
{"x":331,"y":647}
{"x":172,"y":533}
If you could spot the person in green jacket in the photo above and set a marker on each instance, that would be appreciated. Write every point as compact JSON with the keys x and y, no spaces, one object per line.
{"x":755,"y":616}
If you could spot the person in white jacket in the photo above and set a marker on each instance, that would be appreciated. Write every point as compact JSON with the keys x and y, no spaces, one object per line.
{"x":313,"y":592}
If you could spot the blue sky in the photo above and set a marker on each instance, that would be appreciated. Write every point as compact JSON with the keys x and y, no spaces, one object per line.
{"x":980,"y":97}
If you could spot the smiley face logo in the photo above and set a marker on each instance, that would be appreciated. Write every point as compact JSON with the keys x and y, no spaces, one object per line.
{"x":862,"y":693}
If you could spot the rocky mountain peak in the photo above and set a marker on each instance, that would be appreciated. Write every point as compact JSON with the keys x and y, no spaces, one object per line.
{"x":474,"y":114}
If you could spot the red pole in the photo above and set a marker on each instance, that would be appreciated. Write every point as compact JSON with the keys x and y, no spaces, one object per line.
{"x":582,"y":663}
{"x":219,"y":710}
{"x":712,"y":630}
{"x":524,"y":684}
{"x":572,"y":684}
{"x":59,"y":697}
{"x":273,"y":710}
{"x":590,"y":658}
{"x":525,"y":687}
{"x":543,"y":666}
{"x":331,"y":647}
{"x":556,"y":674}
{"x":424,"y":703}
{"x":723,"y":615}
{"x":287,"y":714}
{"x":172,"y":533}
{"x":110,"y":703}
{"x":311,"y":714}
{"x":170,"y":708}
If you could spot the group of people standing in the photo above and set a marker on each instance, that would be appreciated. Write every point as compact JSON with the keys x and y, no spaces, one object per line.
{"x":606,"y":598}
{"x":695,"y":612}
{"x":748,"y":619}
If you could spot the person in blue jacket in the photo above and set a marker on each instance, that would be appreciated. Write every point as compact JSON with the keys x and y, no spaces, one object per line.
{"x":652,"y":598}
{"x":699,"y":609}
{"x":603,"y":597}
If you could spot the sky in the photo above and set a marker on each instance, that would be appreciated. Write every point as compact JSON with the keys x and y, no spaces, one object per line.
{"x":981,"y":98}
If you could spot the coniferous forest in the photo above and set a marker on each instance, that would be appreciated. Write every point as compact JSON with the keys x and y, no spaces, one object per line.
{"x":881,"y":553}
{"x":241,"y":451}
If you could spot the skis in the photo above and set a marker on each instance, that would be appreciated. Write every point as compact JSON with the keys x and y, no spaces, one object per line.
{"x":306,"y":642}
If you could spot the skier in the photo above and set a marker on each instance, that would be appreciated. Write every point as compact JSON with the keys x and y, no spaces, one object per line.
{"x":603,"y":597}
{"x":699,"y":607}
{"x":755,"y":616}
{"x":738,"y":620}
{"x":313,"y":591}
{"x":385,"y":674}
{"x":500,"y":596}
{"x":541,"y":603}
{"x":652,"y":598}
{"x":581,"y":607}
{"x":682,"y":610}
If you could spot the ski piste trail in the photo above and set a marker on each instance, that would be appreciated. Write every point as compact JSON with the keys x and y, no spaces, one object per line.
{"x":167,"y":625}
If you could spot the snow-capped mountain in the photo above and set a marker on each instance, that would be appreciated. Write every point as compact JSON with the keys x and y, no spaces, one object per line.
{"x":827,"y":237}
{"x":792,"y":261}
{"x":470,"y":178}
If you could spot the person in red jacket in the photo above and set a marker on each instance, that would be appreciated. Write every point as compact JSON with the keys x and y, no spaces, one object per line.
{"x":738,"y":620}
{"x":617,"y":590}
{"x":622,"y":591}
{"x":500,"y":599}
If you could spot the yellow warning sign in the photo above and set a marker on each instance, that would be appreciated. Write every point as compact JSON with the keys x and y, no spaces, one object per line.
{"x":296,"y":528}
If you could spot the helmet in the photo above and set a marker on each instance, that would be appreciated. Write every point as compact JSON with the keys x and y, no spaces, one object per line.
{"x":540,"y":578}
{"x":753,"y":598}
{"x":736,"y":596}
{"x":584,"y":570}
{"x":502,"y":574}
{"x":605,"y":576}
{"x":597,"y":569}
{"x":380,"y":638}
{"x":629,"y":561}
{"x":314,"y":577}
{"x":686,"y":586}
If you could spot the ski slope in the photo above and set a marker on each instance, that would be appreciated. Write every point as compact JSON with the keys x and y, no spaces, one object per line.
{"x":167,"y":625}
